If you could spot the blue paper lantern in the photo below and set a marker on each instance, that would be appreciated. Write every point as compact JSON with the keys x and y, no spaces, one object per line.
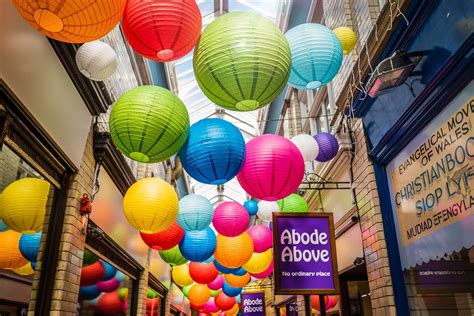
{"x":239,"y":272}
{"x":214,"y":151}
{"x":33,"y":265}
{"x":251,"y":206}
{"x":231,"y":291}
{"x":29,"y":246}
{"x":195,"y":212}
{"x":120,"y":276}
{"x":3,"y":227}
{"x":238,"y":299}
{"x":223,"y":269}
{"x":89,"y":292}
{"x":209,"y":260}
{"x":198,"y":245}
{"x":316,"y":55}
{"x":110,"y":271}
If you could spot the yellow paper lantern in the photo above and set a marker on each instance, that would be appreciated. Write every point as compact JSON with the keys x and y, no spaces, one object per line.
{"x":347,"y":37}
{"x":151,"y":205}
{"x":10,"y":255}
{"x":181,"y":275}
{"x":199,"y":294}
{"x":27,"y":269}
{"x":23,"y":205}
{"x":259,"y":262}
{"x":237,"y":280}
{"x":233,"y":252}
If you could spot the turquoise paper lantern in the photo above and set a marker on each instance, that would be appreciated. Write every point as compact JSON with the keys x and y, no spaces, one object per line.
{"x":3,"y":227}
{"x":110,"y":271}
{"x":29,"y":246}
{"x":316,"y":55}
{"x":242,"y":61}
{"x":251,"y":206}
{"x":149,"y":124}
{"x":195,"y":212}
{"x":198,"y":245}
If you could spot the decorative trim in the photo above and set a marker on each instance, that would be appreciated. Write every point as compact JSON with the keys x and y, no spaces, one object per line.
{"x":94,"y":93}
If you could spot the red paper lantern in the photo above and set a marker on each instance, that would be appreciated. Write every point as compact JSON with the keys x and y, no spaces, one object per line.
{"x":196,"y":307}
{"x":162,"y":30}
{"x":92,"y":274}
{"x":152,"y":303}
{"x":315,"y":302}
{"x":224,"y":302}
{"x":203,"y":273}
{"x":332,"y":301}
{"x":110,"y":303}
{"x":164,"y":240}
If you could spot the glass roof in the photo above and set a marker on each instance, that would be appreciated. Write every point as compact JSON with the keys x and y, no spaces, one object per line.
{"x":181,"y":73}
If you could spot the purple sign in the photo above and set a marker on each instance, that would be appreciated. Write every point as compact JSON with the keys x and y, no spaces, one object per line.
{"x":253,"y":304}
{"x":292,"y":309}
{"x":305,"y":260}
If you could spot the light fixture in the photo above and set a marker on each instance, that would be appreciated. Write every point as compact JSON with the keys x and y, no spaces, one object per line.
{"x":392,"y":72}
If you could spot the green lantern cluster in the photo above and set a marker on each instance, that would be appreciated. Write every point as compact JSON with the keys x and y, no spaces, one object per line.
{"x":242,"y":61}
{"x":149,"y":124}
{"x":293,"y":203}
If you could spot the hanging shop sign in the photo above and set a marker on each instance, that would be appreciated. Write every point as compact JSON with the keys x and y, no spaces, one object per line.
{"x":253,"y":304}
{"x":431,"y":185}
{"x":292,"y":308}
{"x":304,"y":253}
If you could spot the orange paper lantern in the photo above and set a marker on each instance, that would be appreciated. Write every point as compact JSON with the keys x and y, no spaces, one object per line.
{"x":72,"y":21}
{"x":233,"y":252}
{"x":199,"y":294}
{"x":236,"y":280}
{"x":10,"y":256}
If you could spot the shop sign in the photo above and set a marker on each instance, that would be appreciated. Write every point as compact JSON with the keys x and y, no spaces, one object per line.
{"x":253,"y":304}
{"x":304,"y":253}
{"x":292,"y":309}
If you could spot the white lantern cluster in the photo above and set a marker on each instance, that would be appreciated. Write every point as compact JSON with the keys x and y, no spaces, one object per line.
{"x":96,"y":60}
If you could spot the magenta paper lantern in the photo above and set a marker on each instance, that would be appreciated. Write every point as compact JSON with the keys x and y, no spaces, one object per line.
{"x":217,"y":283}
{"x":264,"y":274}
{"x":108,"y":286}
{"x":230,"y":219}
{"x":273,"y":168}
{"x":262,"y":238}
{"x":210,"y":305}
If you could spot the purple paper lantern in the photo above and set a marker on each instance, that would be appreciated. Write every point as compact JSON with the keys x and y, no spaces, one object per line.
{"x":230,"y":219}
{"x":328,"y":146}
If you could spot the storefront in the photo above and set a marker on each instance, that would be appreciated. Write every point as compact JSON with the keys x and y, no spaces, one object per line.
{"x":421,"y":139}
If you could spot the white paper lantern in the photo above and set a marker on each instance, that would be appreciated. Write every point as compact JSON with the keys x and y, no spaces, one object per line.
{"x":96,"y":60}
{"x":265,"y":210}
{"x":307,"y":145}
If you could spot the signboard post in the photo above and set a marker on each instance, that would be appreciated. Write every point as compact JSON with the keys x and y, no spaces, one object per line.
{"x":305,"y":254}
{"x":253,"y":304}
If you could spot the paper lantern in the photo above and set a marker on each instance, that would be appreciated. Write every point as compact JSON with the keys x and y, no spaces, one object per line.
{"x":89,"y":258}
{"x":347,"y":37}
{"x":307,"y":145}
{"x":150,"y":205}
{"x":186,"y":289}
{"x":242,"y":61}
{"x":23,"y":205}
{"x":198,"y":245}
{"x":217,"y":283}
{"x":110,"y":303}
{"x":210,"y":305}
{"x":239,"y":272}
{"x":233,"y":252}
{"x":173,"y":256}
{"x":214,"y":293}
{"x":92,"y":274}
{"x":196,"y":307}
{"x":234,"y":310}
{"x":181,"y":275}
{"x":266,"y":209}
{"x":109,"y":271}
{"x":224,"y":269}
{"x":29,"y":246}
{"x":195,"y":212}
{"x":89,"y":292}
{"x":10,"y":256}
{"x":208,"y":260}
{"x":315,"y":302}
{"x":3,"y":227}
{"x":199,"y":294}
{"x":120,"y":276}
{"x":151,"y":294}
{"x":273,"y":168}
{"x":162,"y":30}
{"x":332,"y":301}
{"x":316,"y":56}
{"x":262,"y":238}
{"x":96,"y":60}
{"x":203,"y":272}
{"x":152,"y":303}
{"x":251,"y":206}
{"x":123,"y":293}
{"x":293,"y":203}
{"x":224,"y":302}
{"x":149,"y":124}
{"x":230,"y":219}
{"x":27,"y":269}
{"x":72,"y":21}
{"x":259,"y":262}
{"x":108,"y":286}
{"x":328,"y":146}
{"x":230,"y":290}
{"x":214,"y":151}
{"x":264,"y":274}
{"x":237,"y":281}
{"x":166,"y":239}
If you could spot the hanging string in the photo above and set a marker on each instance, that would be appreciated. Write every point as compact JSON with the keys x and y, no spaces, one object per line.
{"x":96,"y":183}
{"x":401,"y":13}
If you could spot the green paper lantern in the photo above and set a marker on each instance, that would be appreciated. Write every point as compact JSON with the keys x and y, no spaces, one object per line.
{"x":173,"y":256}
{"x":149,"y":124}
{"x":89,"y":258}
{"x":293,"y":203}
{"x":151,"y":294}
{"x":242,"y":61}
{"x":214,"y":293}
{"x":186,"y":289}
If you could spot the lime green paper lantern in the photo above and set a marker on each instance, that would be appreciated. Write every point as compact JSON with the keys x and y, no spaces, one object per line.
{"x":149,"y":124}
{"x":242,"y":61}
{"x":293,"y":203}
{"x":173,"y":256}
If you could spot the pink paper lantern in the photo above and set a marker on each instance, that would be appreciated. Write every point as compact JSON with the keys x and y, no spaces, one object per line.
{"x":265,"y":273}
{"x":262,"y":238}
{"x":210,"y":305}
{"x":108,"y":286}
{"x":273,"y":168}
{"x":230,"y":219}
{"x":217,"y":283}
